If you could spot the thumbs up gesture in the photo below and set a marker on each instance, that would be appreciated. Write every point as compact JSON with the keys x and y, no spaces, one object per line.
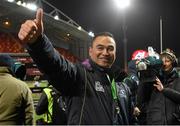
{"x":31,"y":29}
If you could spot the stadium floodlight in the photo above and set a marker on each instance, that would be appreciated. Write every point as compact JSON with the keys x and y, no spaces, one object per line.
{"x":10,"y":0}
{"x":23,"y":4}
{"x":91,"y":34}
{"x":122,"y":3}
{"x":56,"y":17}
{"x":31,"y":6}
{"x":19,"y":2}
{"x":79,"y":28}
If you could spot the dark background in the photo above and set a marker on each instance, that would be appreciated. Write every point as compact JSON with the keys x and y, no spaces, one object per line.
{"x":142,"y":20}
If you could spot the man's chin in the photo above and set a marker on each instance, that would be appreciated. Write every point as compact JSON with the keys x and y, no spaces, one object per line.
{"x":105,"y":65}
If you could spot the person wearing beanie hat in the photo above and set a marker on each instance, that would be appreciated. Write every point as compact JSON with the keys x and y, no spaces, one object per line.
{"x":7,"y":62}
{"x":17,"y":69}
{"x":163,"y":103}
{"x":168,"y":53}
{"x":16,"y":103}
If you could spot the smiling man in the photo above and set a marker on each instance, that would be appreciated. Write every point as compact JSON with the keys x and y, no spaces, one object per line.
{"x":103,"y":50}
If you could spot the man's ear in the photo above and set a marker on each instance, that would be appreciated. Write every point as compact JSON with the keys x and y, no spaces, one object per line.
{"x":90,"y":51}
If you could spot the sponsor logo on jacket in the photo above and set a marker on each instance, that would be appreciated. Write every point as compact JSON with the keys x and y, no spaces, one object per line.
{"x":98,"y":86}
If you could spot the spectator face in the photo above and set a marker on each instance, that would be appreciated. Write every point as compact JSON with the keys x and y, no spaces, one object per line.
{"x":167,"y":64}
{"x":103,"y":51}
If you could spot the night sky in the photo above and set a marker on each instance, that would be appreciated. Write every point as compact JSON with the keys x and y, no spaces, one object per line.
{"x":142,"y":21}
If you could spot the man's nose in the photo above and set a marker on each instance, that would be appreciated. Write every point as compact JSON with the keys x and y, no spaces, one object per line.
{"x":105,"y":52}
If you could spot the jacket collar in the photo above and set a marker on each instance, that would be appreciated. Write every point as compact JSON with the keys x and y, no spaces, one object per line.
{"x":4,"y":69}
{"x":169,"y":76}
{"x":91,"y":65}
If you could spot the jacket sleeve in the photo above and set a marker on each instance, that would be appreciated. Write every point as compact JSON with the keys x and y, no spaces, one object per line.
{"x":42,"y":105}
{"x":173,"y":91}
{"x":172,"y":94}
{"x":28,"y":106}
{"x":60,"y":72}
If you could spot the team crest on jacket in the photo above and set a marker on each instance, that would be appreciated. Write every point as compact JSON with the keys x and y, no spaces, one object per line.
{"x":98,"y":86}
{"x":122,"y":93}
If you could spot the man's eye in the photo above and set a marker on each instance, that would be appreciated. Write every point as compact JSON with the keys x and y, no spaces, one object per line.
{"x":100,"y":48}
{"x":111,"y":49}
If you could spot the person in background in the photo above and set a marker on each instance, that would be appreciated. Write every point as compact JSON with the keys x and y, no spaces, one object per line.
{"x":36,"y":79}
{"x":20,"y":71}
{"x":132,"y":81}
{"x":52,"y":106}
{"x":16,"y":103}
{"x":162,"y":97}
{"x":124,"y":97}
{"x":87,"y":87}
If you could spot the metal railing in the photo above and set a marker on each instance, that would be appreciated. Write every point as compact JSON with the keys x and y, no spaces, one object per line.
{"x":54,"y":11}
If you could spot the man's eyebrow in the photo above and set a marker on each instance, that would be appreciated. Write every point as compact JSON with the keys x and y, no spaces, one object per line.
{"x":100,"y":45}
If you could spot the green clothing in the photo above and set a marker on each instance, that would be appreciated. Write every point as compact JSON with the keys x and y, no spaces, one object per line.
{"x":48,"y":115}
{"x":16,"y":103}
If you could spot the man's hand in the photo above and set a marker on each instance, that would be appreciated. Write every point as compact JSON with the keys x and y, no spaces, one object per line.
{"x":31,"y":29}
{"x":136,"y":111}
{"x":159,"y":85}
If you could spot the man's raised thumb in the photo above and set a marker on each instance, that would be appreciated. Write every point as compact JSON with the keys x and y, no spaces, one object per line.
{"x":39,"y":16}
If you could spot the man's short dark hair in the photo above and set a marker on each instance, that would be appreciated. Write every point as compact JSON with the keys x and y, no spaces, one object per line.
{"x":102,"y":34}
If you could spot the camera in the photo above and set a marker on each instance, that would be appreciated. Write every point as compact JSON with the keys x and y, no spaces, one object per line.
{"x":148,"y":68}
